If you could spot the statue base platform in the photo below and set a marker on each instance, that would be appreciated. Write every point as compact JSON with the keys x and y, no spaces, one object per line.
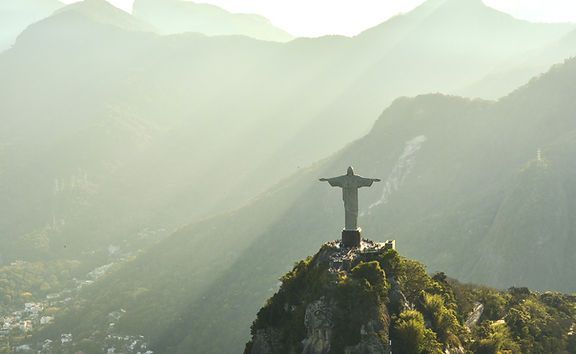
{"x":351,"y":238}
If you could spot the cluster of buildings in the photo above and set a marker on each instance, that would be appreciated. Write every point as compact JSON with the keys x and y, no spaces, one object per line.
{"x":17,"y":327}
{"x":24,"y":320}
{"x":116,"y":344}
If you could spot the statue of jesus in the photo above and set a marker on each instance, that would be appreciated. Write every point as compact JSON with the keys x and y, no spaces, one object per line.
{"x":350,"y":184}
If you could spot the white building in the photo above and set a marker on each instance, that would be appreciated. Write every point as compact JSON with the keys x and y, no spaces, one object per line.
{"x":44,"y":320}
{"x":66,"y":338}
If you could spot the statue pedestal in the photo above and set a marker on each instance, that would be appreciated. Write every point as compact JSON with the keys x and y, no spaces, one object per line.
{"x":351,"y":238}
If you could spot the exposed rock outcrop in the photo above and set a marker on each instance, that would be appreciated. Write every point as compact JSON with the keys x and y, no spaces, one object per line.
{"x":317,"y":310}
{"x":370,"y":342}
{"x":319,"y":322}
{"x":474,"y":316}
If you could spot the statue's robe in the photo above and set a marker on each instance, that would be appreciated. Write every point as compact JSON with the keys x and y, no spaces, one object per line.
{"x":350,"y":185}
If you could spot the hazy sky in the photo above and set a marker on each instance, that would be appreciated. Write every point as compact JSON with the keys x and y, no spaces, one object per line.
{"x":348,"y":17}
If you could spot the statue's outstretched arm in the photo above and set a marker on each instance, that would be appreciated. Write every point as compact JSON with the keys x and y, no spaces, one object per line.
{"x":334,"y":182}
{"x":366,"y":182}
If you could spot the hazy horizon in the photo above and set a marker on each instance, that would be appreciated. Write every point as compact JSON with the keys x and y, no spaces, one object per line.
{"x":311,"y":19}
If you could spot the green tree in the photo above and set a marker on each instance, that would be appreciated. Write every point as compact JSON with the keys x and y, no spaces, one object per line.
{"x":410,"y":335}
{"x":373,"y":274}
{"x":443,"y":320}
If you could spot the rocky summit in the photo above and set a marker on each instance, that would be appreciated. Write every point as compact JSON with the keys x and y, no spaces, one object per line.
{"x":326,"y":314}
{"x":371,"y":300}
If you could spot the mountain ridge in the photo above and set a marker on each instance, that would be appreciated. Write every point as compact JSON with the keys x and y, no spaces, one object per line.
{"x":177,"y":16}
{"x":15,"y":16}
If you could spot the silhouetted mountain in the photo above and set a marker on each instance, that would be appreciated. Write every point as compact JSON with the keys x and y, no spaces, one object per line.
{"x":432,"y":31}
{"x":480,"y":189}
{"x":179,"y":16}
{"x":16,"y":15}
{"x":86,"y":12}
{"x":59,"y":142}
{"x":507,"y":76}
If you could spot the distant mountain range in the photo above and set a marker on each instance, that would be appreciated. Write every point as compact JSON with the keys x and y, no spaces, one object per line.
{"x":162,"y":16}
{"x":114,"y":135}
{"x":506,"y":77}
{"x":138,"y":117}
{"x":178,"y":16}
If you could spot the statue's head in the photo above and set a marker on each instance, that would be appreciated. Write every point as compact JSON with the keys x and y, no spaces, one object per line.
{"x":350,"y":171}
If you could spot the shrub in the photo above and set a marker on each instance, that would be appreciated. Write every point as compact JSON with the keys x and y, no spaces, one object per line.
{"x":410,"y":335}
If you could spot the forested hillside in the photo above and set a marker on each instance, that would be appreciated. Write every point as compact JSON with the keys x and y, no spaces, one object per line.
{"x":380,"y":302}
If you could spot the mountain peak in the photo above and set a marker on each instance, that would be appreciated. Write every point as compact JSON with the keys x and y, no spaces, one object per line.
{"x":89,"y":5}
{"x":81,"y":19}
{"x":16,"y":15}
{"x":318,"y":299}
{"x":372,"y":300}
{"x":103,"y":12}
{"x":177,"y":16}
{"x":430,"y":6}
